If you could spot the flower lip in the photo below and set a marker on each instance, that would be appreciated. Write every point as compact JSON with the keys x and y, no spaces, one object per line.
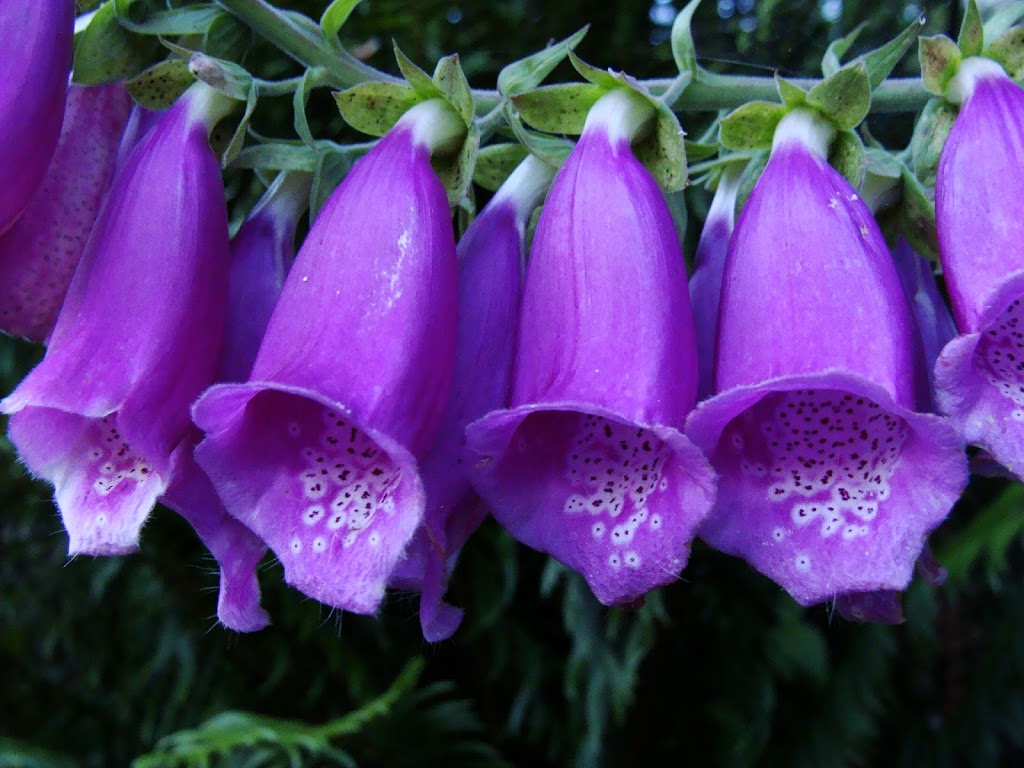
{"x":615,"y":499}
{"x":336,"y":501}
{"x":928,"y":465}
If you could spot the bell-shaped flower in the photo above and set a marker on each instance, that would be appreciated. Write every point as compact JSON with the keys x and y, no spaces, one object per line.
{"x":316,"y":454}
{"x":491,"y":256}
{"x":40,"y":251}
{"x":137,"y":339}
{"x":979,"y":377}
{"x":37,"y":38}
{"x":589,"y":463}
{"x":708,"y":266}
{"x":829,"y":481}
{"x":261,"y":253}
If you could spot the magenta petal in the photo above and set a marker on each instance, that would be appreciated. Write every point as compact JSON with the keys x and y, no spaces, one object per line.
{"x":39,"y":253}
{"x":237,"y":550}
{"x":588,"y":464}
{"x":336,"y":502}
{"x":37,"y":60}
{"x":135,"y":342}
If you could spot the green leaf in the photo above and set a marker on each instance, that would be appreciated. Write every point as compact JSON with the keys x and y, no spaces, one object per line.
{"x":330,"y":168}
{"x":971,"y":39}
{"x":334,"y":19}
{"x":309,"y":80}
{"x":751,"y":126}
{"x":830,"y":62}
{"x":227,"y":38}
{"x":190,"y":20}
{"x":698,"y":151}
{"x":495,"y":163}
{"x":595,"y":75}
{"x":551,"y":149}
{"x":1008,"y":50}
{"x":939,"y":58}
{"x":882,"y":163}
{"x":683,"y":49}
{"x":416,"y":77}
{"x":105,"y":51}
{"x":663,"y":152}
{"x":238,"y":137}
{"x":845,"y":97}
{"x":986,"y":540}
{"x":559,"y":108}
{"x":224,"y":76}
{"x":930,"y":133}
{"x":755,"y":167}
{"x":374,"y":107}
{"x":792,"y":95}
{"x":450,"y":81}
{"x":846,"y":155}
{"x":883,"y":60}
{"x":1003,"y":19}
{"x":526,"y":74}
{"x":456,"y":170}
{"x":159,"y":86}
{"x":917,"y":217}
{"x":278,"y":156}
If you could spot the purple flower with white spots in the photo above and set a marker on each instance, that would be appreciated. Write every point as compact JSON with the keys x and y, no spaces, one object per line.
{"x":979,"y":377}
{"x":37,"y":60}
{"x":706,"y":282}
{"x":829,"y":480}
{"x":40,"y":251}
{"x":491,"y":257}
{"x":104,"y":415}
{"x":589,"y":463}
{"x":317,"y":452}
{"x":261,"y":253}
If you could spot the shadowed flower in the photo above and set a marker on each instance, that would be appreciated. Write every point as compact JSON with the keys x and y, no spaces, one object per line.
{"x":979,"y":377}
{"x":491,"y":257}
{"x":39,"y":253}
{"x":137,"y":338}
{"x":261,"y":253}
{"x":37,"y":59}
{"x":829,"y":481}
{"x":589,"y":464}
{"x":316,"y":454}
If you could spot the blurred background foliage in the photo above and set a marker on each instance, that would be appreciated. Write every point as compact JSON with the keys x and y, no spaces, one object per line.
{"x":108,"y":661}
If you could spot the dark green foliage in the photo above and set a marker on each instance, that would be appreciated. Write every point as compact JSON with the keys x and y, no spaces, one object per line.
{"x":109,"y":661}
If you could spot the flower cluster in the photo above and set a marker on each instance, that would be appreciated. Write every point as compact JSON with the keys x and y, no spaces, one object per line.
{"x":358,"y":412}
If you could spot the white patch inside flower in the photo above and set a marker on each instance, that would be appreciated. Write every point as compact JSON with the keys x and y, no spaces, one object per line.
{"x":119,"y":464}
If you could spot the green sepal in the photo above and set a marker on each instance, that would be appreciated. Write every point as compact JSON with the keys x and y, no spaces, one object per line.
{"x":755,"y":167}
{"x":698,"y":151}
{"x":917,"y":217}
{"x":881,"y":61}
{"x":1003,"y":19}
{"x":224,"y":76}
{"x":278,"y":156}
{"x":160,"y":86}
{"x":419,"y":80}
{"x":238,"y":137}
{"x":495,"y":163}
{"x":456,"y":170}
{"x":845,"y":97}
{"x":939,"y":58}
{"x":1008,"y":51}
{"x":526,"y":74}
{"x":711,"y":169}
{"x":791,"y":94}
{"x":971,"y":40}
{"x":559,"y":108}
{"x":374,"y":107}
{"x":751,"y":126}
{"x":881,"y":163}
{"x":831,"y":62}
{"x":189,"y":20}
{"x":310,"y":79}
{"x":683,"y":49}
{"x":846,"y":155}
{"x":105,"y":51}
{"x":84,"y":6}
{"x":451,"y":84}
{"x":930,"y":133}
{"x":551,"y":149}
{"x":663,"y":150}
{"x":334,"y":18}
{"x":227,"y":38}
{"x":331,"y":167}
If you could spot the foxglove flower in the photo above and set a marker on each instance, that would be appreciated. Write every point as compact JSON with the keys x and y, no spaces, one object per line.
{"x":491,"y":257}
{"x":829,"y":480}
{"x":706,"y":282}
{"x":589,"y":463}
{"x":137,"y":338}
{"x":316,"y":454}
{"x":37,"y":54}
{"x":39,"y":253}
{"x":979,"y":377}
{"x":261,"y":253}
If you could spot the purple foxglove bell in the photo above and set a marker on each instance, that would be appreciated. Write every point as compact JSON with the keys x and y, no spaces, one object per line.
{"x":491,"y":257}
{"x":316,"y":454}
{"x":589,"y":463}
{"x":979,"y":377}
{"x":829,"y":482}
{"x":706,"y":282}
{"x":137,"y":339}
{"x":40,"y":251}
{"x":261,"y":253}
{"x":37,"y":60}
